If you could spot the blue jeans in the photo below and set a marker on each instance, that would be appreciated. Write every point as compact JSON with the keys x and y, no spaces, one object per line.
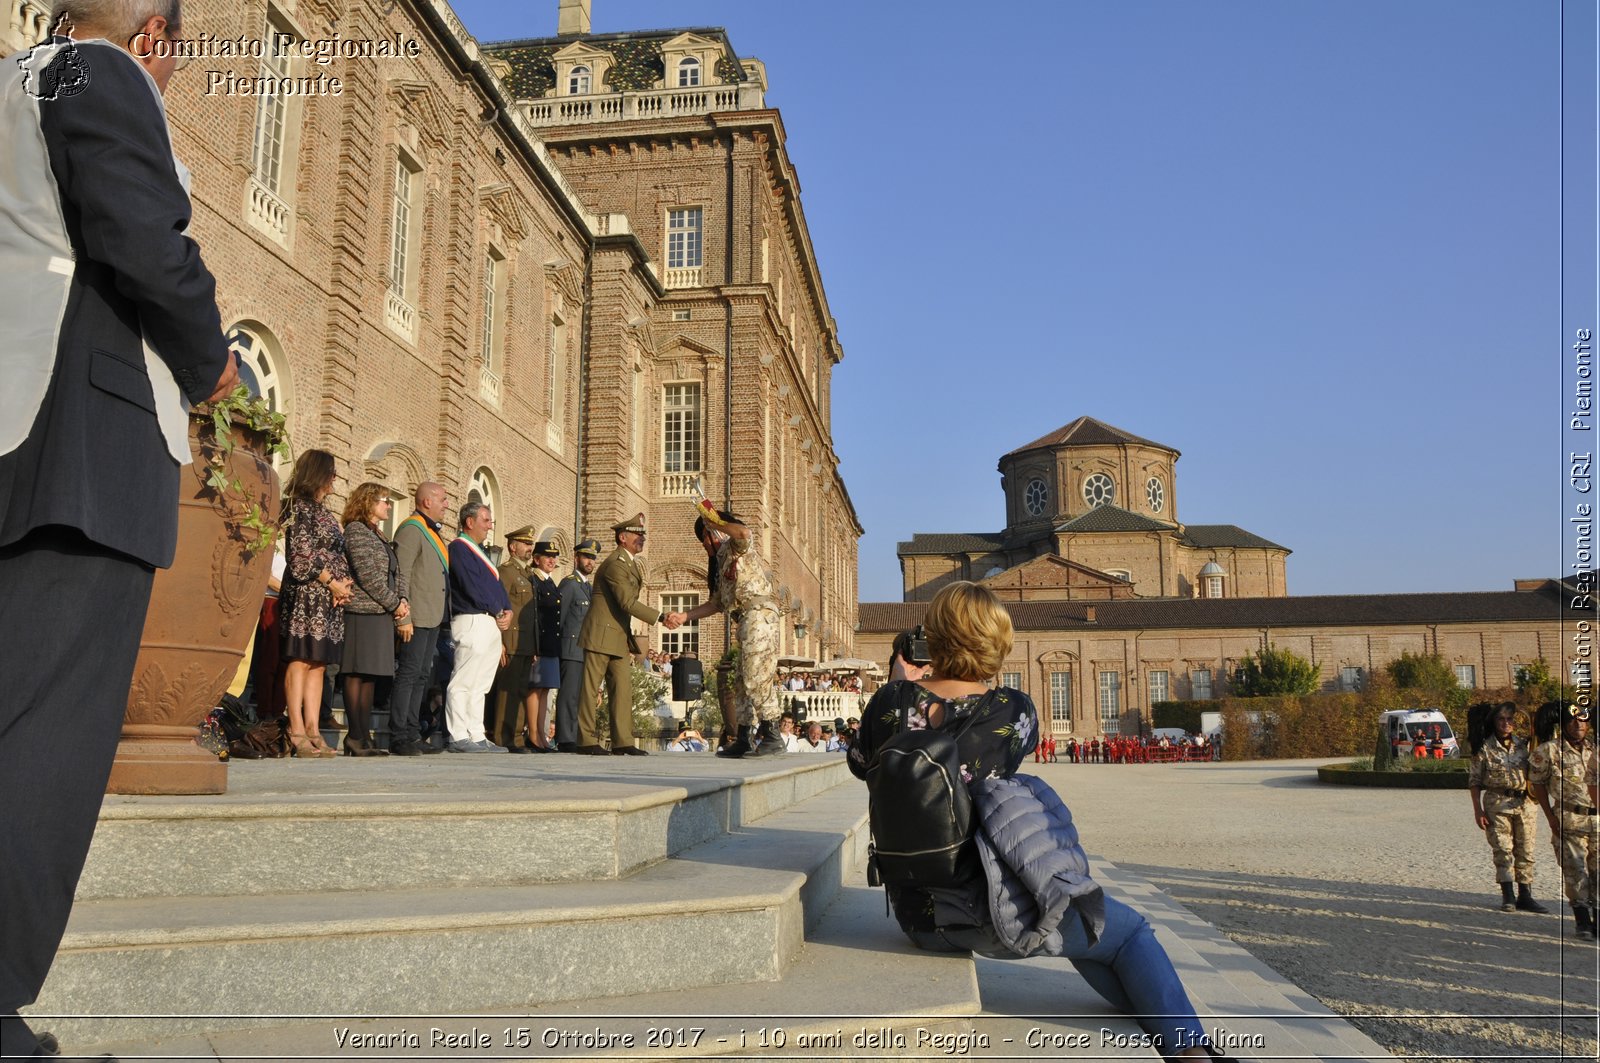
{"x":1127,"y":966}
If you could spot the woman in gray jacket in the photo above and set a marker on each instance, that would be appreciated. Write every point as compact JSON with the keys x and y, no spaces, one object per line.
{"x":377,"y":604}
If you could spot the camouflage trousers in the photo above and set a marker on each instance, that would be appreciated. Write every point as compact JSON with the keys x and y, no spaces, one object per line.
{"x":1510,"y":832}
{"x":755,"y":693}
{"x":1578,"y":849}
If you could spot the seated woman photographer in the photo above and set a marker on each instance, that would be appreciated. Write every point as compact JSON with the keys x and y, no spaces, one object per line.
{"x":969,"y":634}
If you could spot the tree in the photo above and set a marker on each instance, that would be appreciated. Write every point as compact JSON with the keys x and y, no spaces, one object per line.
{"x":1273,"y":671}
{"x":1537,"y":686}
{"x":1428,"y":675}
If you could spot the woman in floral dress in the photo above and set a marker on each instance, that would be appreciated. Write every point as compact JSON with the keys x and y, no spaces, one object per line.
{"x":316,"y":584}
{"x":969,"y":636}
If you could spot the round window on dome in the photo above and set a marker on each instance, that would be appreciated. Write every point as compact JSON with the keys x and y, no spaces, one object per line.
{"x":1099,"y":490}
{"x":1034,"y":496}
{"x":1155,"y":494}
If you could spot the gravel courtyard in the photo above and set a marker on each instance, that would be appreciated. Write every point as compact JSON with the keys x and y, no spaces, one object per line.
{"x":1380,"y":902}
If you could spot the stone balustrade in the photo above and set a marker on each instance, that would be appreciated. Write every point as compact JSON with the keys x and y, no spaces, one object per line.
{"x":653,"y":103}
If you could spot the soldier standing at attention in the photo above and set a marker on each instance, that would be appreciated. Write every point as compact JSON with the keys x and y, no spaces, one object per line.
{"x":1498,"y":783}
{"x":519,"y":645}
{"x":575,"y":591}
{"x":547,"y":665}
{"x":1563,"y":777}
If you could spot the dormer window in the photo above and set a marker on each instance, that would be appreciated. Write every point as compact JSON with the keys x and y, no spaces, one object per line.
{"x":688,"y":72}
{"x":578,"y":81}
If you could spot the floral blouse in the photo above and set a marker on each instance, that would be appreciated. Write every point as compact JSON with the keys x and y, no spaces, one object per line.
{"x":993,"y":747}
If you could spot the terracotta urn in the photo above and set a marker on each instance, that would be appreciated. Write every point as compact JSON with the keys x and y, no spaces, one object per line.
{"x":203,"y":612}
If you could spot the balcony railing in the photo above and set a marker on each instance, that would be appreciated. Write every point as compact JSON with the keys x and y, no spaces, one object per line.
{"x":678,"y":484}
{"x":823,"y":705}
{"x":654,"y":103}
{"x":399,"y":315}
{"x":683,"y":277}
{"x":267,"y":212}
{"x":489,"y":385}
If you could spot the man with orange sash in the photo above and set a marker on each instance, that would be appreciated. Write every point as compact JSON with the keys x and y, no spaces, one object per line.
{"x":424,"y":557}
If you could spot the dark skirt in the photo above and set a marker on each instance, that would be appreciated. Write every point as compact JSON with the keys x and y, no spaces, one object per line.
{"x":548,"y":675}
{"x":368,"y":644}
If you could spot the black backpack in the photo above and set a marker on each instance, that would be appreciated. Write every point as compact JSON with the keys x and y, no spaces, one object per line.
{"x":919,"y":807}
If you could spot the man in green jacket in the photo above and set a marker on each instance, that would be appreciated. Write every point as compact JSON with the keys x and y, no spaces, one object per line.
{"x":609,"y":644}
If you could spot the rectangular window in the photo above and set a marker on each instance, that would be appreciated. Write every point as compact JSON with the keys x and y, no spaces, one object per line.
{"x":1061,"y":701}
{"x":1011,"y":679}
{"x":683,"y":238}
{"x":680,"y":428}
{"x":1158,"y":687}
{"x":400,"y":238}
{"x":272,"y":109}
{"x":685,"y":639}
{"x":682,"y":315}
{"x":1350,"y":678}
{"x":1466,"y":675}
{"x":493,"y":289}
{"x":1200,"y":684}
{"x":1111,"y":702}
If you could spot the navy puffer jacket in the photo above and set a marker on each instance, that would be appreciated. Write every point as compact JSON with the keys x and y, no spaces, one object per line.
{"x":1037,"y":872}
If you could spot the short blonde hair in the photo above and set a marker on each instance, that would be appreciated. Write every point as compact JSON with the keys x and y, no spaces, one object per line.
{"x":969,"y":633}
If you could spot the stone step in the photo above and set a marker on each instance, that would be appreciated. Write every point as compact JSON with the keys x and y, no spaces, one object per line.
{"x":452,"y":820}
{"x":734,"y":909}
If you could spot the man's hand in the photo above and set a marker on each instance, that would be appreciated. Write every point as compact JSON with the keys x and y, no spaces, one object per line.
{"x":505,"y":658}
{"x":503,"y":621}
{"x":671,"y":620}
{"x":406,"y":631}
{"x":403,"y":611}
{"x":229,"y":379}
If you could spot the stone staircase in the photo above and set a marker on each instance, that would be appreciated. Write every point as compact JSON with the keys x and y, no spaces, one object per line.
{"x":384,"y":908}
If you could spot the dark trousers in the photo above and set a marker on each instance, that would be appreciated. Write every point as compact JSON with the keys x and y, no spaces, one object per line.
{"x":413,"y":672}
{"x":71,"y":613}
{"x":567,"y":699}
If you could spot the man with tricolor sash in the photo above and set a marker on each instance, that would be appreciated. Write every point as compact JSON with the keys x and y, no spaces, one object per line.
{"x":479,"y":612}
{"x":423,"y":555}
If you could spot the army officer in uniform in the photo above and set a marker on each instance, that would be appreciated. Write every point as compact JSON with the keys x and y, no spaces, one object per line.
{"x":513,"y":696}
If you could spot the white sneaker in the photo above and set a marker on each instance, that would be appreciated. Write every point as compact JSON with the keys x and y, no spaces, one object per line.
{"x":462,"y":745}
{"x":483,"y":745}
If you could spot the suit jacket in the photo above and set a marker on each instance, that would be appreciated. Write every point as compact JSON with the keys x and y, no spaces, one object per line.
{"x":576,"y":593}
{"x":90,"y":170}
{"x":427,"y":584}
{"x":617,"y":583}
{"x":522,"y":637}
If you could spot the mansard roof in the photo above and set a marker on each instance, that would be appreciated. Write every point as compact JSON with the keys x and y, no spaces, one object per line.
{"x":1217,"y":536}
{"x":638,"y":65}
{"x":1112,"y":518}
{"x":952,"y":543}
{"x":1366,"y":610}
{"x":1088,"y":432}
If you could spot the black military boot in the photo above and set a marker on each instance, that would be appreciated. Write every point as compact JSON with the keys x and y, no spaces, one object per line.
{"x":1580,"y":912}
{"x":738,"y":747}
{"x":1508,"y":898}
{"x":1525,"y":901}
{"x":767,"y":742}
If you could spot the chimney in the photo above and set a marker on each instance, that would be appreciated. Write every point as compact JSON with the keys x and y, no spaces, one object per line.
{"x":1088,"y":614}
{"x":574,"y":18}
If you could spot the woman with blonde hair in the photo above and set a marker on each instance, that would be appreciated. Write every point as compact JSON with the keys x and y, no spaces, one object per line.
{"x":377,"y":605}
{"x":969,"y":636}
{"x":316,"y":584}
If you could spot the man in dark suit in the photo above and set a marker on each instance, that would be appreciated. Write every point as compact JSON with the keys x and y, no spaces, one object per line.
{"x":609,"y":645}
{"x":576,"y":592}
{"x":108,"y":322}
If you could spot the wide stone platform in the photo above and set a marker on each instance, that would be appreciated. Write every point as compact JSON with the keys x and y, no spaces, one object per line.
{"x":564,"y":906}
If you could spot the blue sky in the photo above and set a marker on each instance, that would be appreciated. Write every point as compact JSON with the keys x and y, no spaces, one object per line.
{"x":1313,"y":246}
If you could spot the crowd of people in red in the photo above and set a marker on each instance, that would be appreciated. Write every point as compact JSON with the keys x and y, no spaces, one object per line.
{"x":1121,"y":749}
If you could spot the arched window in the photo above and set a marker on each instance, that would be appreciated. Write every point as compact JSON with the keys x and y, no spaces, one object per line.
{"x":483,"y":488}
{"x":688,"y":73}
{"x":263,"y":369}
{"x":578,"y":81}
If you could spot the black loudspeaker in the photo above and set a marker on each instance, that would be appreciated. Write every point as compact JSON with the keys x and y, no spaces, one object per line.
{"x":687,"y":679}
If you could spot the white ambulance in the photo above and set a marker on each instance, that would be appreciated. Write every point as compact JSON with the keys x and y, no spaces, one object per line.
{"x":1406,"y":727}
